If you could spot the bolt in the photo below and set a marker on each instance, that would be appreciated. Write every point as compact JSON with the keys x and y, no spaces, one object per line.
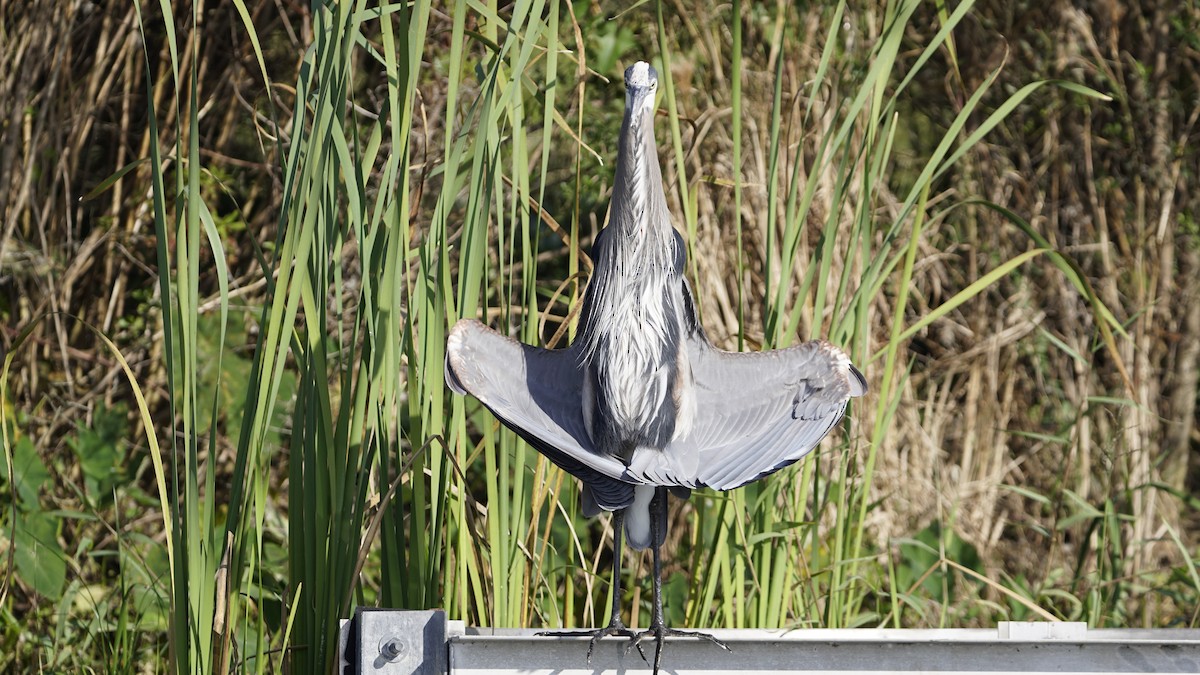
{"x":391,"y":648}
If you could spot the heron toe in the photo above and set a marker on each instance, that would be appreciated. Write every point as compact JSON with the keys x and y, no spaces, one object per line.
{"x":660,"y":633}
{"x":615,"y":629}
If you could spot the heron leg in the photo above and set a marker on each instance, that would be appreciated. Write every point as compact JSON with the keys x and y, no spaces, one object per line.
{"x":615,"y":625}
{"x":658,"y":630}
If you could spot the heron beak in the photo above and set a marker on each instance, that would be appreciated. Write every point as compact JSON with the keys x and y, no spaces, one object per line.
{"x":641,"y":84}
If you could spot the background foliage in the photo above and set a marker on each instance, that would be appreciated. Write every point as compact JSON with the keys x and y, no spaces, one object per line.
{"x":234,"y":236}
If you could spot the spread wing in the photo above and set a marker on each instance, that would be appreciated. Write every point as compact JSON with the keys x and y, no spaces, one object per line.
{"x":538,"y":394}
{"x":754,"y":413}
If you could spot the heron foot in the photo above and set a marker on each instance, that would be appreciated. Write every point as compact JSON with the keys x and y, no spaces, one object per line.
{"x":659,"y":635}
{"x":615,"y":629}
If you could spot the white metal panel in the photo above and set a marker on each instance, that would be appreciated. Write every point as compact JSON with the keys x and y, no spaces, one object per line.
{"x":408,"y":643}
{"x":818,"y":651}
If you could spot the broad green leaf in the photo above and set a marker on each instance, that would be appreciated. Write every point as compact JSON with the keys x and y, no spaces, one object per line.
{"x":100,"y":451}
{"x":30,"y":473}
{"x":39,"y":558}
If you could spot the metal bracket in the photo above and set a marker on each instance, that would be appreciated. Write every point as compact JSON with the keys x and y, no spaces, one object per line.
{"x":389,"y":642}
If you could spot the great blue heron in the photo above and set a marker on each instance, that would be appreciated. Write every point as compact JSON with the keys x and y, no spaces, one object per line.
{"x":641,"y":403}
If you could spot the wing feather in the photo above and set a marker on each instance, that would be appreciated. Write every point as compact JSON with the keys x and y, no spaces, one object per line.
{"x":755,"y":413}
{"x":538,"y":394}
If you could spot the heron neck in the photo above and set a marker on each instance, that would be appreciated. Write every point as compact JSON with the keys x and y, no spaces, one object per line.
{"x":638,"y":200}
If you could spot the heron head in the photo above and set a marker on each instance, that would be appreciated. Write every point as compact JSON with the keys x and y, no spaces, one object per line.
{"x":641,"y":84}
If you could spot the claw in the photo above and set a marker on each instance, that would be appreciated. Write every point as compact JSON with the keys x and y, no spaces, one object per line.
{"x":612,"y":629}
{"x":659,"y":635}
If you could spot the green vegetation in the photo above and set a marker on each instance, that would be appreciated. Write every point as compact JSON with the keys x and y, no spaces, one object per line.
{"x":234,"y":241}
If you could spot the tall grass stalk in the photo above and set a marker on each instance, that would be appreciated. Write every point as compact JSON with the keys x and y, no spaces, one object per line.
{"x":772,"y":538}
{"x":195,"y":545}
{"x":339,"y":196}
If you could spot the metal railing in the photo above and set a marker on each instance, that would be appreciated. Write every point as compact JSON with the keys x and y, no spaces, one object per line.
{"x":387,"y":642}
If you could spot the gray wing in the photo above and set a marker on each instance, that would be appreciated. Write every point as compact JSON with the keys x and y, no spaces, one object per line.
{"x":753,"y":413}
{"x":538,"y":394}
